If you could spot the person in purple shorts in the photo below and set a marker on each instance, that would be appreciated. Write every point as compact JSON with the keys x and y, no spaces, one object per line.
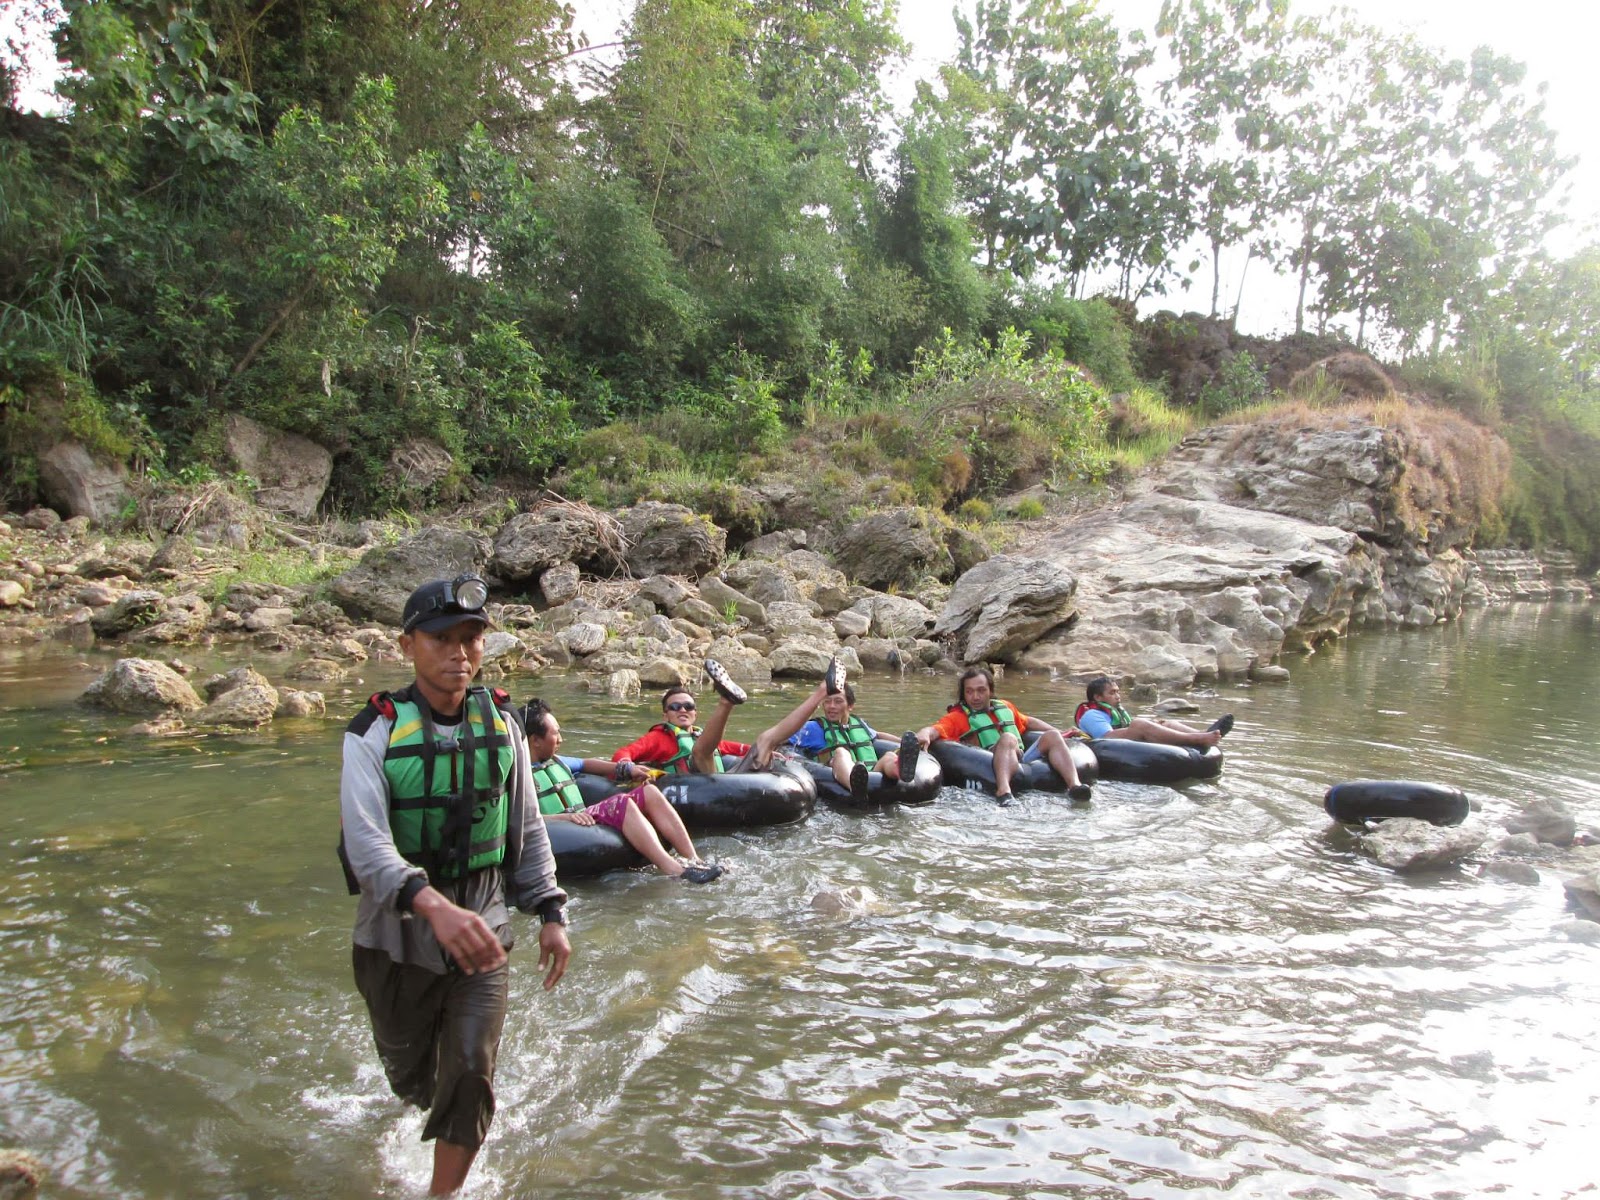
{"x":643,"y":815}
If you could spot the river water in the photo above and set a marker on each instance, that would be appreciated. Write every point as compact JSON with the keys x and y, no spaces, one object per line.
{"x":1195,"y":992}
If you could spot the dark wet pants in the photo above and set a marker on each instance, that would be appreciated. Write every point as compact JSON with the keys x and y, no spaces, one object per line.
{"x":437,"y":1036}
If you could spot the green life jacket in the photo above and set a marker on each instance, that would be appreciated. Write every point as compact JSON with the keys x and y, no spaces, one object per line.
{"x":681,"y":761}
{"x":982,"y":724}
{"x":1119,"y":715}
{"x":449,"y":800}
{"x":558,"y":792}
{"x":853,"y":735}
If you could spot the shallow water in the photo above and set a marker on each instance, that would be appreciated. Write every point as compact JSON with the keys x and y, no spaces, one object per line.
{"x":1192,"y":992}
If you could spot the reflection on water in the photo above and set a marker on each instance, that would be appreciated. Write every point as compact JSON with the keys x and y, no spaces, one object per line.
{"x":1165,"y":993}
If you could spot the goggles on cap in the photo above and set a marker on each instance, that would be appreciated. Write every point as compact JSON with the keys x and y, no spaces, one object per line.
{"x":463,"y":594}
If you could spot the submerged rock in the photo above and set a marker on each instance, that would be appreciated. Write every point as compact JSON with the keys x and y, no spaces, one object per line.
{"x":139,"y":685}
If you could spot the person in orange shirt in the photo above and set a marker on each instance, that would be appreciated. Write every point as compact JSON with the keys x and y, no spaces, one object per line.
{"x":979,"y":718}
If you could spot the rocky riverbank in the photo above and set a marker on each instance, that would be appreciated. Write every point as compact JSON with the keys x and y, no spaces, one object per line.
{"x":1253,"y":543}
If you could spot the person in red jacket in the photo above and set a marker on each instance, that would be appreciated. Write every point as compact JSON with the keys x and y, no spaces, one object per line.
{"x":678,"y":744}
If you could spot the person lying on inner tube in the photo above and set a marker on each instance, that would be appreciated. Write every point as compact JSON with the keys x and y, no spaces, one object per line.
{"x":642,"y":815}
{"x":1102,"y":716}
{"x":978,"y":718}
{"x":843,"y":741}
{"x":678,"y":744}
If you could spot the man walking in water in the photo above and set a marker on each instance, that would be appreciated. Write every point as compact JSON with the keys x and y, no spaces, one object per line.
{"x":440,"y":830}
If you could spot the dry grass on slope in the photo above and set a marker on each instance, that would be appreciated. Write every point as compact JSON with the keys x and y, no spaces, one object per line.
{"x":1453,"y":475}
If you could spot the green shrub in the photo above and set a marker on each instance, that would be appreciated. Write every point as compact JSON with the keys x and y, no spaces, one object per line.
{"x":1091,"y":333}
{"x":1238,"y":384}
{"x":1017,"y":419}
{"x":975,"y":511}
{"x":1029,"y":508}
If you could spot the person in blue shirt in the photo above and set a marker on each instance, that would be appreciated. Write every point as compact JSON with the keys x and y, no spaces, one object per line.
{"x":1102,"y":716}
{"x":643,"y":815}
{"x":843,"y":741}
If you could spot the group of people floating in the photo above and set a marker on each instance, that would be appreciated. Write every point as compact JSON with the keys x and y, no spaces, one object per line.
{"x":447,"y":787}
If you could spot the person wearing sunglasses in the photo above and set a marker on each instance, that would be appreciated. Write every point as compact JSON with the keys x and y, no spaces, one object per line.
{"x":440,"y":833}
{"x":677,"y":743}
{"x":642,"y":816}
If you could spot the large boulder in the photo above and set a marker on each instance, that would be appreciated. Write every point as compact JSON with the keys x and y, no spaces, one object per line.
{"x":141,"y":685}
{"x":893,"y":548}
{"x":531,"y":543}
{"x":1005,"y":604}
{"x":1405,"y":844}
{"x":291,"y":471}
{"x":77,"y":483}
{"x":378,"y":585}
{"x":671,"y":539}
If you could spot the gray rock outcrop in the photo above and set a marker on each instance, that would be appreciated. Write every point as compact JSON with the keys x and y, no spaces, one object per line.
{"x":378,"y":585}
{"x":142,"y":686}
{"x":1404,"y":844}
{"x":1005,"y":604}
{"x":893,"y":548}
{"x":531,"y":543}
{"x":291,"y":471}
{"x":671,"y":539}
{"x":77,"y":483}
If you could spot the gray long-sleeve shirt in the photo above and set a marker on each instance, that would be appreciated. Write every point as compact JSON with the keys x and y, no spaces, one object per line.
{"x":529,"y":866}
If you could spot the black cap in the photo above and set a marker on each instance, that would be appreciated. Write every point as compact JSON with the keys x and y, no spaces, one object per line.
{"x":432,"y":607}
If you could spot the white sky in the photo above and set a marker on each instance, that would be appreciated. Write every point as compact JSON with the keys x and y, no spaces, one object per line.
{"x":1557,"y":39}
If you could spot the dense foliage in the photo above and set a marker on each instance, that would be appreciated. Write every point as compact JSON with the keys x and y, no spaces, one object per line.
{"x":388,"y":219}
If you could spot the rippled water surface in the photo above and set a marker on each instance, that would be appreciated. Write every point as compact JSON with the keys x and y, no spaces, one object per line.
{"x":1193,"y":992}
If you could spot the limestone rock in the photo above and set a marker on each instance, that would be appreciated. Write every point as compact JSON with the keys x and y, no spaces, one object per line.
{"x":531,"y":543}
{"x":623,"y":685}
{"x":893,"y":548}
{"x":248,"y":705}
{"x":1547,"y":819}
{"x":764,"y":581}
{"x":775,"y":544}
{"x":669,"y":538}
{"x":378,"y":585}
{"x":1583,"y":894}
{"x":291,"y":471}
{"x":80,"y":485}
{"x":559,"y":583}
{"x":665,"y":592}
{"x":140,"y":685}
{"x":269,"y":618}
{"x":292,"y":703}
{"x":1404,"y":844}
{"x":219,"y":685}
{"x":720,"y":597}
{"x":582,"y":638}
{"x":180,"y":619}
{"x":11,"y":593}
{"x":499,"y":644}
{"x":1004,"y":605}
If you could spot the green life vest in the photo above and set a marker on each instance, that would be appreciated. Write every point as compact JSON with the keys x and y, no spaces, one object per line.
{"x":682,"y":760}
{"x":981,"y":723}
{"x":558,"y":793}
{"x":1119,"y":715}
{"x":853,"y":735}
{"x":449,"y":801}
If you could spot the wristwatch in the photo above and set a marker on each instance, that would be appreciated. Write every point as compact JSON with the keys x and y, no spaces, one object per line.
{"x":553,"y":914}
